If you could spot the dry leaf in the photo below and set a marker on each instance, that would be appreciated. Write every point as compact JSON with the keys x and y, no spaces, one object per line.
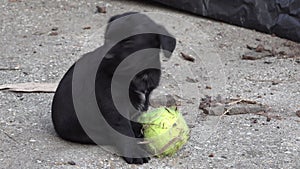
{"x":101,"y":9}
{"x":187,"y":57}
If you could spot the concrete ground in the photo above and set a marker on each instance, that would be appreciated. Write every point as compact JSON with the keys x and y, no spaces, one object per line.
{"x":40,"y":40}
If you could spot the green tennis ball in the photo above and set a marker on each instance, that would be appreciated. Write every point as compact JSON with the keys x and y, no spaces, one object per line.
{"x":165,"y":131}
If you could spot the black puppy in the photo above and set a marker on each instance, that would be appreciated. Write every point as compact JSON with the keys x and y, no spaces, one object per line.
{"x":64,"y":117}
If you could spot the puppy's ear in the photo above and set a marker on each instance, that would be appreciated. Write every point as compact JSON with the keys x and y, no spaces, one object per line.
{"x":167,"y":44}
{"x":112,"y":28}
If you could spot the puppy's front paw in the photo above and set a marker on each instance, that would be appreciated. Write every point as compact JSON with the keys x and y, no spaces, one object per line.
{"x":137,"y":160}
{"x":137,"y":155}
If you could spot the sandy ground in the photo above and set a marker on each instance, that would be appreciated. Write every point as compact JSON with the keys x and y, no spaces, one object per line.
{"x":42,"y":39}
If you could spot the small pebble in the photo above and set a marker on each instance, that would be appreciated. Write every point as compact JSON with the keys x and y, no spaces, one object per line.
{"x":208,"y":87}
{"x":298,"y":113}
{"x":71,"y":163}
{"x":32,"y":140}
{"x":87,"y":27}
{"x":54,"y":29}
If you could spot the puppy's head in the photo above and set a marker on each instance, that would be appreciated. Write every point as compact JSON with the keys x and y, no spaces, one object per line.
{"x":137,"y":32}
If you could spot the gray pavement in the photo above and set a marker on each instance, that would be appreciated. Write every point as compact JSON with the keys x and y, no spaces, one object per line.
{"x":27,"y":43}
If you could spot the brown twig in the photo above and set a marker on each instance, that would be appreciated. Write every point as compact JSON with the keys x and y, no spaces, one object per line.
{"x":264,"y":80}
{"x":10,"y":137}
{"x":269,"y":116}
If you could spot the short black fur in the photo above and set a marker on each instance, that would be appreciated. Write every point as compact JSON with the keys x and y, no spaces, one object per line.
{"x":64,"y":117}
